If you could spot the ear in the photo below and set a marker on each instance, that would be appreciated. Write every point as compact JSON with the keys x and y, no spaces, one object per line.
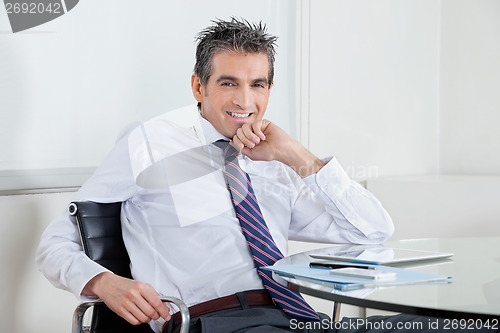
{"x":197,"y":88}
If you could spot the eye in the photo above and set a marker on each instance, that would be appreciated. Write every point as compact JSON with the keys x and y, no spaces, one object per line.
{"x":227,"y":84}
{"x":260,"y":84}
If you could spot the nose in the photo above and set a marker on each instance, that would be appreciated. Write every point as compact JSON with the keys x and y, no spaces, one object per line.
{"x":242,"y":98}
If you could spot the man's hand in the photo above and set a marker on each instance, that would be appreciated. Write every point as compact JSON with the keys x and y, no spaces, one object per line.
{"x":134,"y":301}
{"x":264,"y":141}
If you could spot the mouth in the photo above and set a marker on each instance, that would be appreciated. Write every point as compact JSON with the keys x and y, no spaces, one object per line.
{"x":239,"y":115}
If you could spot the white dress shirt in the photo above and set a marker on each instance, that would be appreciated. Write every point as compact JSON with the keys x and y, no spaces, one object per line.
{"x":179,"y":225}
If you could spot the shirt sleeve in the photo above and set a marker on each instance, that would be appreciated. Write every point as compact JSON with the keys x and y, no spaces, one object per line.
{"x":332,"y":208}
{"x":60,"y":255}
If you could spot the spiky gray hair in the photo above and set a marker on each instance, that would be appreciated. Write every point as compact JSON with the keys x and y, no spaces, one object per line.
{"x":235,"y":36}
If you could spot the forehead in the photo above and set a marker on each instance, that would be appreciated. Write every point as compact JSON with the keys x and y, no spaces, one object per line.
{"x":240,"y":65}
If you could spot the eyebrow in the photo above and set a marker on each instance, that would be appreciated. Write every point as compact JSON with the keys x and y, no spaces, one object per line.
{"x":233,"y":78}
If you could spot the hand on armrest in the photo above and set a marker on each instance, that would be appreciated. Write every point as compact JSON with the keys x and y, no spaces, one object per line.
{"x":134,"y":301}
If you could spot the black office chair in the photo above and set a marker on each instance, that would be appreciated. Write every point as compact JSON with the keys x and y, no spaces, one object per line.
{"x":101,"y":235}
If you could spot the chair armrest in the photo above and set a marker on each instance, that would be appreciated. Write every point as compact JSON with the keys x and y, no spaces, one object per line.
{"x":80,"y":310}
{"x":78,"y":314}
{"x":183,"y":309}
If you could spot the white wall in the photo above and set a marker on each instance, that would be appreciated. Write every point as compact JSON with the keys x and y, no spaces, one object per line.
{"x":404,"y":87}
{"x":440,"y":205}
{"x":373,"y":85}
{"x":469,"y":86}
{"x":67,"y":87}
{"x":410,"y":88}
{"x":28,"y":302}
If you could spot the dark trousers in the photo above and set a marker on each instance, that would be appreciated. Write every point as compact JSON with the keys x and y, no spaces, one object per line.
{"x":269,"y":319}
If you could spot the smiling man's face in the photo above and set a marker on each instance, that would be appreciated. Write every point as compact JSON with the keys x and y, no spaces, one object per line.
{"x":236,"y":93}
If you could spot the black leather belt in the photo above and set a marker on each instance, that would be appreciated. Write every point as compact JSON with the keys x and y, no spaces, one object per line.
{"x":252,"y":298}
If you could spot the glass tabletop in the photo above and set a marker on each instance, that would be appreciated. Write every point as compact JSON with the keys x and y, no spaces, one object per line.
{"x":474,"y":291}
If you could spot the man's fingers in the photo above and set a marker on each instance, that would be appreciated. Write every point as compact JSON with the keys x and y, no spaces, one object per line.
{"x":143,"y":311}
{"x":150,"y":305}
{"x":164,"y":311}
{"x":252,"y":134}
{"x":237,"y":144}
{"x":246,"y":136}
{"x":139,"y":313}
{"x":148,"y":309}
{"x":158,"y":308}
{"x":130,"y":313}
{"x":248,"y":131}
{"x":258,"y":128}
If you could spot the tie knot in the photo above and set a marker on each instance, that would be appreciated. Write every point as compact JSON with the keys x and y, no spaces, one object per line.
{"x":229,"y":151}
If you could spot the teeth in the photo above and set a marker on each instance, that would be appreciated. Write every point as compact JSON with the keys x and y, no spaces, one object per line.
{"x":238,"y":115}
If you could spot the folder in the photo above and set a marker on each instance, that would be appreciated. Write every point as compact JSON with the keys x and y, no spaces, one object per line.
{"x":344,"y":283}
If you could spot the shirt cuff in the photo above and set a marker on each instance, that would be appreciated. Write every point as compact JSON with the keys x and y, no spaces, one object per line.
{"x":87,"y":270}
{"x":332,"y":175}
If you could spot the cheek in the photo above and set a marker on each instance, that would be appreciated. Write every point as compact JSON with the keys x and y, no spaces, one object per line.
{"x":220,"y":101}
{"x":212,"y":105}
{"x":262,"y":101}
{"x":220,"y":95}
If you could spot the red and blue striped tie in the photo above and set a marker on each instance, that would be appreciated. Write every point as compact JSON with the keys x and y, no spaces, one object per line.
{"x":264,"y":250}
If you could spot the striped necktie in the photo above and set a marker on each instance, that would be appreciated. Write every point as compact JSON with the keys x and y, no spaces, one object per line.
{"x":264,"y":250}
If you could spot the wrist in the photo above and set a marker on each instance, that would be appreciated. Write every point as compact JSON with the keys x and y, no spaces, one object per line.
{"x":94,"y":286}
{"x":301,"y":160}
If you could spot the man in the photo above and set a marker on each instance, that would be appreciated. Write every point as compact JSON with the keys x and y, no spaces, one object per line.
{"x":182,"y":231}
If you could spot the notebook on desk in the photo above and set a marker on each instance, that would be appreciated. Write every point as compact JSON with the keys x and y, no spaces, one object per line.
{"x":376,"y":254}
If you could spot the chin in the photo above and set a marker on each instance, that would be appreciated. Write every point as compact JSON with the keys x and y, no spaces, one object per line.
{"x":230,"y":134}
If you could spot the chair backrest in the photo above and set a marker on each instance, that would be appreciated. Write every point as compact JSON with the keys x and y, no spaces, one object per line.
{"x":101,"y":234}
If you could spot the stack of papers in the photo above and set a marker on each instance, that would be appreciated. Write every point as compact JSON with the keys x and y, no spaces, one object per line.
{"x":342,"y":282}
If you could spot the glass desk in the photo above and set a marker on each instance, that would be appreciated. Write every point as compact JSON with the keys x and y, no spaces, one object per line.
{"x":473,"y":293}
